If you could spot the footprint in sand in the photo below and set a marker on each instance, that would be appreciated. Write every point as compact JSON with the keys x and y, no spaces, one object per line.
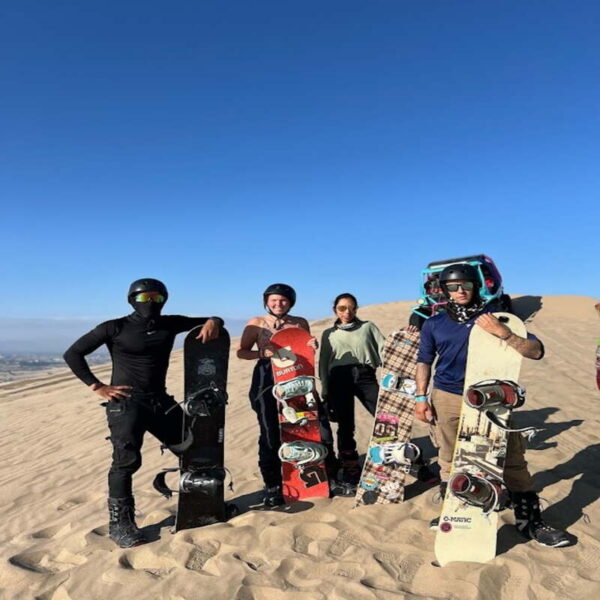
{"x":314,"y":538}
{"x":256,"y":563}
{"x":342,"y":543}
{"x":145,"y":559}
{"x":53,"y":531}
{"x":98,"y":538}
{"x":402,"y":569}
{"x":76,"y":501}
{"x":200,"y":554}
{"x":41,"y":561}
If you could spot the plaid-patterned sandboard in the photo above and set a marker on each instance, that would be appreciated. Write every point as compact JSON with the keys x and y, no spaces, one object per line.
{"x":380,"y":482}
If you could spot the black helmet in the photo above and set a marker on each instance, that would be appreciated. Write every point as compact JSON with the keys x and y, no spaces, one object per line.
{"x":283,"y":290}
{"x":460,"y":271}
{"x":147,"y":285}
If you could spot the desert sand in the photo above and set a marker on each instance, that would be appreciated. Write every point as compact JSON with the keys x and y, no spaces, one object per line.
{"x":54,"y":543}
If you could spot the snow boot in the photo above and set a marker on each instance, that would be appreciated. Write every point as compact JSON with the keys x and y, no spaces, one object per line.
{"x":529,"y":521}
{"x":121,"y":526}
{"x":273,"y":496}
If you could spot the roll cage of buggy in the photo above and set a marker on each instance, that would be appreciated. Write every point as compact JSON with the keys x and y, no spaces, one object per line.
{"x":432,"y":298}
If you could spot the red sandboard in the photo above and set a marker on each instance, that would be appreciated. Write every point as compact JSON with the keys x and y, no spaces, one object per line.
{"x":294,"y":358}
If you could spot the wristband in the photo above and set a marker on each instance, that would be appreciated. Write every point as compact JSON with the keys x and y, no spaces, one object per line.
{"x":420,"y":398}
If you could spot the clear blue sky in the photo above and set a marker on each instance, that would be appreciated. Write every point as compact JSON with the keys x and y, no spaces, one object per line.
{"x":337,"y":146}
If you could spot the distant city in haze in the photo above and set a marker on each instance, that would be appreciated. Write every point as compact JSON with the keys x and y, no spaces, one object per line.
{"x":29,"y":346}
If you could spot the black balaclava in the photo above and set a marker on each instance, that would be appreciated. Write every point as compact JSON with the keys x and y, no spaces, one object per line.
{"x":148,"y":310}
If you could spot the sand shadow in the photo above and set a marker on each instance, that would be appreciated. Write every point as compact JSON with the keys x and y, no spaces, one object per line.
{"x":584,"y":490}
{"x":526,"y":307}
{"x":253,"y":502}
{"x":428,"y":471}
{"x":152,"y":532}
{"x":537,"y":418}
{"x":569,"y":510}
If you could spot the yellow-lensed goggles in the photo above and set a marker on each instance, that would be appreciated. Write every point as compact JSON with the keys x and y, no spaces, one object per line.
{"x":149,"y":297}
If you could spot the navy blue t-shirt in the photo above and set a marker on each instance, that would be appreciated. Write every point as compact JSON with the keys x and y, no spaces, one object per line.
{"x":449,"y":340}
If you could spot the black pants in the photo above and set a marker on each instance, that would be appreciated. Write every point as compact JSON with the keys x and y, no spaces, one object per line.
{"x":269,"y":441}
{"x":128,"y":420}
{"x":343,"y":385}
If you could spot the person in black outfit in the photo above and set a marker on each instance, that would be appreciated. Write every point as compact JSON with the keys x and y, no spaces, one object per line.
{"x":136,"y":400}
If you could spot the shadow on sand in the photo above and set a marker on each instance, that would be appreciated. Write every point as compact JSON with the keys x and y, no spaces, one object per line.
{"x":569,"y":510}
{"x":253,"y":501}
{"x":537,"y":418}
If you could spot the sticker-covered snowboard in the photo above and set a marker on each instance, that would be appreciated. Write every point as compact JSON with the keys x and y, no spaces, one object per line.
{"x":390,"y":453}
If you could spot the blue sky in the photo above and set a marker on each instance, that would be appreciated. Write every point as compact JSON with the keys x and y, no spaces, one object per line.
{"x":337,"y":146}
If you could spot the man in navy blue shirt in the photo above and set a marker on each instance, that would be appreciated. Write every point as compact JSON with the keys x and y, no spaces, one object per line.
{"x":446,"y":337}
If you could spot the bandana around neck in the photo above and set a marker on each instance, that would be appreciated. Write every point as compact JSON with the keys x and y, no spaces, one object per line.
{"x":348,"y":326}
{"x":461,"y":314}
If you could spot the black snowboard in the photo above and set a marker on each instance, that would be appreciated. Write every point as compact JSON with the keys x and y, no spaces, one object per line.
{"x":201,"y":470}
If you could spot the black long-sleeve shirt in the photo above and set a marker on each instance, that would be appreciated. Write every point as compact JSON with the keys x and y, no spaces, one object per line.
{"x":139,"y":349}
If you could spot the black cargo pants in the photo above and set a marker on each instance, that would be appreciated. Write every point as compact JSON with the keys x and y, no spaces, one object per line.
{"x":128,"y":420}
{"x":344,"y":383}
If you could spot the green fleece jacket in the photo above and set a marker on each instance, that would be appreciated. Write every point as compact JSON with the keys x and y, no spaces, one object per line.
{"x":359,"y":346}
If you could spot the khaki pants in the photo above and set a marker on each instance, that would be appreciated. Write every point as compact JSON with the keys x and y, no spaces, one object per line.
{"x":443,"y":434}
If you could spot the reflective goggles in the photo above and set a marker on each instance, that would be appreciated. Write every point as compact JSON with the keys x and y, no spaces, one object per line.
{"x":149,"y":297}
{"x":466,"y":286}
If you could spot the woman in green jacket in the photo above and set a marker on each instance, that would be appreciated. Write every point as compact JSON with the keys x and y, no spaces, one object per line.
{"x":350,"y":353}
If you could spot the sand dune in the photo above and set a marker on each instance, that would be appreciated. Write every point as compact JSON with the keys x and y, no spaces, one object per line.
{"x":54,"y":543}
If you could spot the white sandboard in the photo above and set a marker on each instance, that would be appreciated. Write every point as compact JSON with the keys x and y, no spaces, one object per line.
{"x":465,"y":533}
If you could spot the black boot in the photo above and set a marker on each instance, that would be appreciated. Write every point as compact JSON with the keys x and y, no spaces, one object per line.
{"x":273,"y":496}
{"x":351,"y":469}
{"x":530,"y":523}
{"x":121,"y":527}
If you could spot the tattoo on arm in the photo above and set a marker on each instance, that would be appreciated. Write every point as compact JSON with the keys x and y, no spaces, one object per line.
{"x":422,"y":378}
{"x":525,"y":347}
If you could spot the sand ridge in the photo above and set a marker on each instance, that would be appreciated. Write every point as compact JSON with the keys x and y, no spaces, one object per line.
{"x":54,"y":543}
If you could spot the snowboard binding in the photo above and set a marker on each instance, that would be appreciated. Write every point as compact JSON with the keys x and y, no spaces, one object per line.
{"x":206,"y":480}
{"x":402,"y":454}
{"x":201,"y":482}
{"x":476,"y":490}
{"x":291,"y":416}
{"x":203,"y":402}
{"x":299,"y":386}
{"x":494,"y":392}
{"x":302,"y":453}
{"x":403,"y":385}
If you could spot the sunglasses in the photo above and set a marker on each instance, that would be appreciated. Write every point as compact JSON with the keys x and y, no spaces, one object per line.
{"x":150,"y":297}
{"x":344,"y":309}
{"x":467,"y":286}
